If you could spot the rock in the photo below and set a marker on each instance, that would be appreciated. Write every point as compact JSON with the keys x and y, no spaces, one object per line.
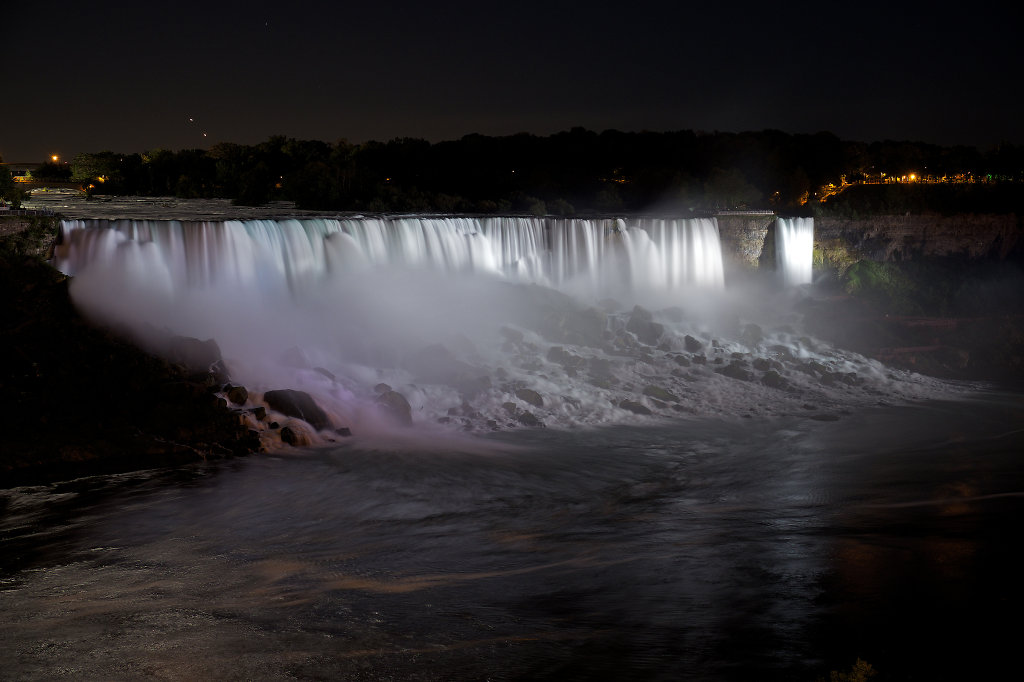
{"x":736,"y":370}
{"x":381,"y":388}
{"x":773,"y":379}
{"x":784,"y":352}
{"x":528,"y":419}
{"x":294,"y":438}
{"x":193,"y":354}
{"x":528,"y":395}
{"x":642,"y":324}
{"x":570,"y":362}
{"x":297,"y":404}
{"x":751,"y":335}
{"x":691,"y":344}
{"x":699,"y":359}
{"x":343,"y":431}
{"x":762,"y":364}
{"x":237,"y":395}
{"x":259,"y":412}
{"x":681,"y":360}
{"x":634,"y":407}
{"x":397,"y":406}
{"x":659,"y":393}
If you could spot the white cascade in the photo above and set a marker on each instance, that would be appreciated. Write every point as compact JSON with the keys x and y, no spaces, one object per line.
{"x":794,"y":249}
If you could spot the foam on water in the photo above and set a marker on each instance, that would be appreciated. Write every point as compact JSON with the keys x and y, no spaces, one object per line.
{"x":481,"y":323}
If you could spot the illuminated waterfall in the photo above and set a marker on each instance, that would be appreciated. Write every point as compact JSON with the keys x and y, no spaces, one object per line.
{"x":600,"y":257}
{"x":794,"y":249}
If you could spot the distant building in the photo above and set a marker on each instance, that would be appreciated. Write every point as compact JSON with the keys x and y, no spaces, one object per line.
{"x":21,"y":172}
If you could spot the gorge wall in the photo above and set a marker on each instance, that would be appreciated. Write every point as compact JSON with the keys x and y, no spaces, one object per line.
{"x":841,"y":242}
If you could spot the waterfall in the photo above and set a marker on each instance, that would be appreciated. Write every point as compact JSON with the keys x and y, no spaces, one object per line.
{"x":794,"y":249}
{"x":599,"y":257}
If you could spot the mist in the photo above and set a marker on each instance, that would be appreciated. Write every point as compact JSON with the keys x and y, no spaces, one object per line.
{"x":479,"y":326}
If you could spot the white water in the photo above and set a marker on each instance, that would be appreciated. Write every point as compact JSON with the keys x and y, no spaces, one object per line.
{"x":794,"y":249}
{"x":460,"y":315}
{"x":592,"y":258}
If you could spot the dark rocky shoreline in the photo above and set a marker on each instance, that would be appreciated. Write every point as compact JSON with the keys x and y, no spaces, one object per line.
{"x":80,"y":400}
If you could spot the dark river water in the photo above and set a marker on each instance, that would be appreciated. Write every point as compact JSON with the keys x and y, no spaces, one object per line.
{"x":704,"y":550}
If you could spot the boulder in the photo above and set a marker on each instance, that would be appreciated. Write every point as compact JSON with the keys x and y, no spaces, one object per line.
{"x":641,"y":322}
{"x":298,"y":404}
{"x":528,"y":395}
{"x":237,"y":395}
{"x":528,"y":419}
{"x":659,"y":393}
{"x":751,"y":335}
{"x":773,"y":379}
{"x":634,"y":407}
{"x":395,"y":404}
{"x":294,"y":438}
{"x":193,"y":354}
{"x":736,"y":370}
{"x":691,"y":344}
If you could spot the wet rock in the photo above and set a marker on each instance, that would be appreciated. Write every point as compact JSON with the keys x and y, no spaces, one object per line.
{"x":294,"y":438}
{"x":681,"y":360}
{"x":528,"y":419}
{"x":691,"y":344}
{"x":784,"y":352}
{"x":634,"y":407}
{"x":659,"y":393}
{"x":559,"y":355}
{"x":193,"y":354}
{"x":751,"y":335}
{"x":773,"y":379}
{"x":343,"y":431}
{"x":297,"y":404}
{"x":699,"y":359}
{"x":642,"y":324}
{"x":395,"y":404}
{"x":762,"y":364}
{"x":528,"y":395}
{"x":381,"y":388}
{"x":736,"y":370}
{"x":237,"y":395}
{"x":259,"y":412}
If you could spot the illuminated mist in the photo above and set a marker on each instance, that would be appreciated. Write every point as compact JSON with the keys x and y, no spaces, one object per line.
{"x":481,"y":324}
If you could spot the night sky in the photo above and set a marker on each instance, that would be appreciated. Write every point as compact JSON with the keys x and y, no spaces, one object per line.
{"x":129,"y":76}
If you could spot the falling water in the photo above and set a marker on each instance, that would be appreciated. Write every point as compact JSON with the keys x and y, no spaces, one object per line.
{"x":794,"y":249}
{"x":603,"y":257}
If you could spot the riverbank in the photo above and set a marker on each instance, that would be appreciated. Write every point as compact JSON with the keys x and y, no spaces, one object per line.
{"x":79,"y":400}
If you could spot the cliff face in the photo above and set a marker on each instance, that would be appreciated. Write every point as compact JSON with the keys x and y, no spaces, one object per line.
{"x":28,"y":235}
{"x":840,"y":242}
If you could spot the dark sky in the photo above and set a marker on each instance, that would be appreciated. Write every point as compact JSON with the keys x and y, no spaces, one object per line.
{"x":128,"y":76}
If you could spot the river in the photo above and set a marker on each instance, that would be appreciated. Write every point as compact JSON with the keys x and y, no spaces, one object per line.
{"x":711,"y":550}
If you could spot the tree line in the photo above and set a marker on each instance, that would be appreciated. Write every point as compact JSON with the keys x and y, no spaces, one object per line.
{"x":574,"y":171}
